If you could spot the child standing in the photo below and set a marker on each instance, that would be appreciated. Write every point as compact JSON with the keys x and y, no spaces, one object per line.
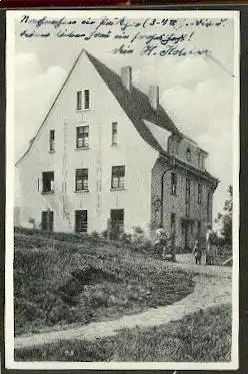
{"x":197,"y":252}
{"x":161,"y":240}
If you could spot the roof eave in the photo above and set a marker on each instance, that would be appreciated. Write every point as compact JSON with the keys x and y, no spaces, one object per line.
{"x":204,"y":174}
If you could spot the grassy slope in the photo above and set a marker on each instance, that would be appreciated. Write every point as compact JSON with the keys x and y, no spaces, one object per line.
{"x":47,"y":294}
{"x":200,"y":337}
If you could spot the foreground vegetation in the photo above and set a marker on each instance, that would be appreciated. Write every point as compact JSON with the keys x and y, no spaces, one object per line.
{"x":62,"y":279}
{"x":204,"y":336}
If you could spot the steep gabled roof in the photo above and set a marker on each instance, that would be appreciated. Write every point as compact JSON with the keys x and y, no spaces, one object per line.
{"x":52,"y":106}
{"x":136,"y":105}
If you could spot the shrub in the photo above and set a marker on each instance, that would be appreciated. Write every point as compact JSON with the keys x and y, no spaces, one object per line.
{"x":114,"y":233}
{"x":105,"y":234}
{"x":95,"y":235}
{"x":139,"y":239}
{"x":126,"y":238}
{"x":138,"y":230}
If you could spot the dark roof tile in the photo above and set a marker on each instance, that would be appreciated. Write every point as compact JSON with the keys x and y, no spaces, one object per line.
{"x":136,"y":105}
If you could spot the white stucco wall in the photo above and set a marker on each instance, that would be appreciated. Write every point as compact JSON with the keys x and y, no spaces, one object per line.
{"x":132,"y":151}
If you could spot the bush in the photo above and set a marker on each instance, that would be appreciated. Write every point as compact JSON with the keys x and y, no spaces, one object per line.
{"x":105,"y":234}
{"x":95,"y":235}
{"x":224,"y":253}
{"x":114,"y":233}
{"x":126,"y":238}
{"x":139,"y":241}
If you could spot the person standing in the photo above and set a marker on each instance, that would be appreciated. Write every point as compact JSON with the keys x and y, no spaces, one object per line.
{"x":197,"y":252}
{"x":211,"y":247}
{"x":161,"y":240}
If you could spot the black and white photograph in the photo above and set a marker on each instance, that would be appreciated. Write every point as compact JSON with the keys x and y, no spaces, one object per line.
{"x":122,"y":247}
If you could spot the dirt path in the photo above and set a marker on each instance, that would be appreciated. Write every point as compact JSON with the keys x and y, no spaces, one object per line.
{"x":213,"y":287}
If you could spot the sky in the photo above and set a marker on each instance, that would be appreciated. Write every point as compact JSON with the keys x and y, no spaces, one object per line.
{"x":196,"y":91}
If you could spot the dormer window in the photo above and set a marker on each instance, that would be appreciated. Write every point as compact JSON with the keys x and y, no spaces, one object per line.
{"x":199,"y":159}
{"x":188,"y":154}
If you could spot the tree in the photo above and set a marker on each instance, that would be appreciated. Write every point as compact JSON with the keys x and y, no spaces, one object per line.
{"x":225,"y":219}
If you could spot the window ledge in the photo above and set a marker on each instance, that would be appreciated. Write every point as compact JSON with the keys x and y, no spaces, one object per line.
{"x":50,"y":151}
{"x":118,"y":189}
{"x":82,"y":149}
{"x":83,"y":110}
{"x":47,"y":192}
{"x":114,"y":145}
{"x":82,"y":191}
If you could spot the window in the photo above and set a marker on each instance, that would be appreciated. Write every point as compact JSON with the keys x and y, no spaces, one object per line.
{"x":118,"y":176}
{"x":86,"y":99}
{"x":117,"y":221}
{"x":52,"y":141}
{"x":173,"y":145}
{"x":192,"y":228}
{"x":199,"y":229}
{"x":199,"y":199}
{"x":79,"y":100}
{"x":187,"y":202}
{"x":208,"y":207}
{"x":199,"y":159}
{"x":188,"y":154}
{"x":81,"y":220}
{"x":48,"y":181}
{"x":114,"y":133}
{"x":83,"y":137}
{"x":173,"y":183}
{"x":47,"y":221}
{"x":173,"y":224}
{"x":81,"y":179}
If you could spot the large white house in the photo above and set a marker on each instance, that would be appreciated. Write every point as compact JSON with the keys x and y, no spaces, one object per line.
{"x":108,"y":154}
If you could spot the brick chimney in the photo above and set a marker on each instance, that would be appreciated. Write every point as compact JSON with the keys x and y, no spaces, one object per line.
{"x":154,"y":96}
{"x":126,"y":77}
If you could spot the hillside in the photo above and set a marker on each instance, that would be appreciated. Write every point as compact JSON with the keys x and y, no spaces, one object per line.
{"x":62,"y":279}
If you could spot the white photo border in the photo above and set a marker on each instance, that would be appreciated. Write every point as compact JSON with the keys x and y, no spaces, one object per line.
{"x":10,"y":363}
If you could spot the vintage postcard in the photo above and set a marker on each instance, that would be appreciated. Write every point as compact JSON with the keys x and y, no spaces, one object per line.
{"x":122,"y":189}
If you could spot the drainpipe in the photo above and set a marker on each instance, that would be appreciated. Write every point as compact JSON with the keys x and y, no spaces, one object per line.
{"x":172,"y":167}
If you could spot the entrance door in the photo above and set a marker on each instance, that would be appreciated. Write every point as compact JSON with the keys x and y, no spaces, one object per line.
{"x":117,"y":220}
{"x":81,"y":220}
{"x":185,"y":231}
{"x":186,"y":237}
{"x":47,"y":221}
{"x":199,"y":229}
